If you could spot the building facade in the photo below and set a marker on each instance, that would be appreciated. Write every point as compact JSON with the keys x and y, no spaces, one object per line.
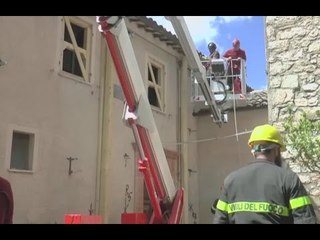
{"x":292,"y":47}
{"x":50,"y":108}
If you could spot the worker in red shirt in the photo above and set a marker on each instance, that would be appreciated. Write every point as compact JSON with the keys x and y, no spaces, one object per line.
{"x":234,"y":66}
{"x":6,"y":202}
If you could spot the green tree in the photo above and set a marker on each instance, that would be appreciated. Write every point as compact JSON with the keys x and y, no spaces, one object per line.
{"x":302,"y":138}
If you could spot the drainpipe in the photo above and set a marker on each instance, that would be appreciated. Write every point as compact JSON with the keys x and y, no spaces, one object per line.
{"x":179,"y":70}
{"x":104,"y":192}
{"x":100,"y":123}
{"x":184,"y":102}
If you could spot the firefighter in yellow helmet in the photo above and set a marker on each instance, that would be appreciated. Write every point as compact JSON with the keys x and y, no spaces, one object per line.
{"x":269,"y":134}
{"x":263,"y":192}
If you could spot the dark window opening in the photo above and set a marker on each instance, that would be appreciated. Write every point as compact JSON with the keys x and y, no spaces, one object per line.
{"x":156,"y":74}
{"x":152,"y":96}
{"x":71,"y":63}
{"x":22,"y":151}
{"x":79,"y":34}
{"x":149,"y":75}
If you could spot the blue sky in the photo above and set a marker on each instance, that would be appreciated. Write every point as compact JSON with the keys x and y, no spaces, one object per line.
{"x":222,"y":30}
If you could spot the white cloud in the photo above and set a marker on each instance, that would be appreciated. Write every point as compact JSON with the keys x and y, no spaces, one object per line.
{"x":263,"y":87}
{"x":201,"y":28}
{"x":164,"y":22}
{"x":230,"y":19}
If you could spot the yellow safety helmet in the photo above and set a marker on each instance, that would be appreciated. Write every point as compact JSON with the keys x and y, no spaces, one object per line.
{"x":267,"y":133}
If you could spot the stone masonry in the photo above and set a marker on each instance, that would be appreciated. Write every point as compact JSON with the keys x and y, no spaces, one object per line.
{"x":293,"y":60}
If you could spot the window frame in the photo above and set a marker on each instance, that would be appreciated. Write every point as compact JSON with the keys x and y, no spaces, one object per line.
{"x":85,"y":52}
{"x":26,"y":130}
{"x":159,"y":88}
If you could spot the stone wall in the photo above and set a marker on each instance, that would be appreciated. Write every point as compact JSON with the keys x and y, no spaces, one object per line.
{"x":293,"y":57}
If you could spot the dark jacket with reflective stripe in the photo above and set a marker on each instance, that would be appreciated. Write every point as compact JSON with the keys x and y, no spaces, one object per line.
{"x":262,"y":192}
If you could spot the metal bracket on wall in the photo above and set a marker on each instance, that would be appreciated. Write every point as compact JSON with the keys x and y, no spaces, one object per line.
{"x":126,"y":157}
{"x":91,"y":210}
{"x":191,"y":171}
{"x":70,"y":159}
